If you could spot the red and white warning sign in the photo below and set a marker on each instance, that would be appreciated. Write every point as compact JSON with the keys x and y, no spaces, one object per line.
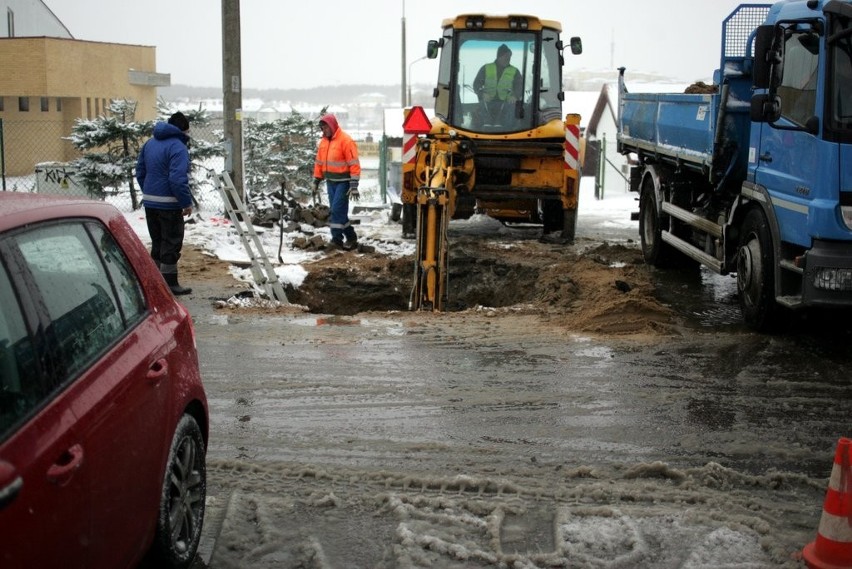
{"x":572,"y":146}
{"x":416,"y":122}
{"x":409,"y":148}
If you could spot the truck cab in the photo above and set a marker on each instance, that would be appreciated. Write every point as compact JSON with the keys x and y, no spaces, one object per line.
{"x":801,"y":146}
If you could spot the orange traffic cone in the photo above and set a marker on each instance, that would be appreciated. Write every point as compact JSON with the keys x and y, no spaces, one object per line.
{"x":832,"y":548}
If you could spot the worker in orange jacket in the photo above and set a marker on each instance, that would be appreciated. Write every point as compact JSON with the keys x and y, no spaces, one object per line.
{"x":337,"y":163}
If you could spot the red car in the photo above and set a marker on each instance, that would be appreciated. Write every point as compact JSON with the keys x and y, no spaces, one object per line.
{"x":103,"y":415}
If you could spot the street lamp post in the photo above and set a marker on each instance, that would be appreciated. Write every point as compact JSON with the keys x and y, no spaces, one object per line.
{"x":402,"y":60}
{"x":409,"y":76}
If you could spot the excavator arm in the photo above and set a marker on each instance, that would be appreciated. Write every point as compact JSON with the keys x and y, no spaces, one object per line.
{"x":443,"y":162}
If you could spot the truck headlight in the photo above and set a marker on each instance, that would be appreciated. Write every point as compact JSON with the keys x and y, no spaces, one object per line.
{"x":846,"y":212}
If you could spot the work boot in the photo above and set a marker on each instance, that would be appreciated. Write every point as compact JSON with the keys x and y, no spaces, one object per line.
{"x":336,"y":244}
{"x":174,"y":286}
{"x":350,"y":245}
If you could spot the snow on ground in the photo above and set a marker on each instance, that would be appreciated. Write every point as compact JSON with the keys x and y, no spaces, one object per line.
{"x":212,"y":231}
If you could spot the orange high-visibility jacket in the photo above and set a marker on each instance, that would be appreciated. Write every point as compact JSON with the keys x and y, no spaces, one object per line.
{"x":337,"y":158}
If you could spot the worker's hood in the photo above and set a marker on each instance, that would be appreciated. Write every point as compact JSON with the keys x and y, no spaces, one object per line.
{"x":331,"y":121}
{"x":163,"y":130}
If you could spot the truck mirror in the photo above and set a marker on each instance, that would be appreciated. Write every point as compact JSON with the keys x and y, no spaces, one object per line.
{"x":768,"y":57}
{"x":812,"y":125}
{"x":432,"y":49}
{"x":762,"y":46}
{"x":576,"y":45}
{"x":765,"y":108}
{"x":775,"y":58}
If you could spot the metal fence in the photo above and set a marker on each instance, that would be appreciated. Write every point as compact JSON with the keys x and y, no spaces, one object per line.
{"x":36,"y":156}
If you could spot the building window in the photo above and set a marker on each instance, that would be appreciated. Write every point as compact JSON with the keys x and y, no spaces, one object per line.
{"x":45,"y":104}
{"x":88,"y":107}
{"x":2,"y":108}
{"x":10,"y":22}
{"x":59,"y":104}
{"x":24,"y":104}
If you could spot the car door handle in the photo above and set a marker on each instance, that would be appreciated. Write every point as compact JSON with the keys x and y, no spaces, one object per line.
{"x":766,"y":157}
{"x":158,"y":370}
{"x":10,"y":484}
{"x":61,"y":472}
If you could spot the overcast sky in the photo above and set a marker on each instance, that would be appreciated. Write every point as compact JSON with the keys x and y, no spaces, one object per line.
{"x":300,"y":44}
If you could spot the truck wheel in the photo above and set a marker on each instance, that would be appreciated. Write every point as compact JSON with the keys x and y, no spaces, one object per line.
{"x":656,"y":253}
{"x":569,"y":225}
{"x":409,"y":220}
{"x":756,"y":274}
{"x":396,"y":212}
{"x":551,"y":216}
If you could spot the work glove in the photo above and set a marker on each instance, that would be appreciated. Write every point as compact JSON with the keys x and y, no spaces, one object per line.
{"x":315,"y":191}
{"x":353,"y":190}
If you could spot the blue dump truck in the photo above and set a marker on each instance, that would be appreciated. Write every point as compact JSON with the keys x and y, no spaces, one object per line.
{"x":754,"y":176}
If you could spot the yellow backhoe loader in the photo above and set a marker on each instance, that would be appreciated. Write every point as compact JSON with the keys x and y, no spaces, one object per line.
{"x":498,"y":143}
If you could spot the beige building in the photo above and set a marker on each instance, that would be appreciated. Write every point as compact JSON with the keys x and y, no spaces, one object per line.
{"x":50,"y":79}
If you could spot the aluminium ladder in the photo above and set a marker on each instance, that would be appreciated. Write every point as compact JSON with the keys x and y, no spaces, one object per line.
{"x":261,"y":269}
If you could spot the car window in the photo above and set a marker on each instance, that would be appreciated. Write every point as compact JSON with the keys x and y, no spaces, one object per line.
{"x":126,"y":284}
{"x":17,"y":360}
{"x":75,"y":289}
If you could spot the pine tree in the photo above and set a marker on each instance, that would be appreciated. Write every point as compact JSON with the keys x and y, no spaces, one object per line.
{"x":110,"y":145}
{"x":280,"y":152}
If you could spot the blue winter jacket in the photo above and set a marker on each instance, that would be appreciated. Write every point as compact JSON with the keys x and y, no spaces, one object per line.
{"x":162,"y":169}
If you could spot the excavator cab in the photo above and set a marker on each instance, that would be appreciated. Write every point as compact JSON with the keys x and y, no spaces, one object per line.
{"x":498,"y":144}
{"x":481,"y":92}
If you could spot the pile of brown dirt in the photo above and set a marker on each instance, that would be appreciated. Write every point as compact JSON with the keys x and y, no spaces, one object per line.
{"x":589,"y":287}
{"x":702,"y":88}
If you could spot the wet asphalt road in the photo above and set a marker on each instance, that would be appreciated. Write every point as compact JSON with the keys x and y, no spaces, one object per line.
{"x":346,"y":443}
{"x":447,"y":397}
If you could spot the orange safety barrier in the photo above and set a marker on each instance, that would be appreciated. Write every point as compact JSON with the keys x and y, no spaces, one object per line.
{"x":832,"y":548}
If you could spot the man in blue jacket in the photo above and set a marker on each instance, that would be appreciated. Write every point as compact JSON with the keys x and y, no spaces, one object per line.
{"x":162,"y":171}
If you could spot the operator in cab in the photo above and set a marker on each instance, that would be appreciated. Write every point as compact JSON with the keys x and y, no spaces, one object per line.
{"x":499,"y":86}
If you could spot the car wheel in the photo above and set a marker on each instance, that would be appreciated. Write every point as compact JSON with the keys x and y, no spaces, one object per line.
{"x":182,"y":501}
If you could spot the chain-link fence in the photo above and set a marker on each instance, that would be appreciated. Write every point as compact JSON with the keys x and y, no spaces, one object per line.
{"x":36,"y":156}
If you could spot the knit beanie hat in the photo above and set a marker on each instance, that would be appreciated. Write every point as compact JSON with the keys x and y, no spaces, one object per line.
{"x":179,"y":120}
